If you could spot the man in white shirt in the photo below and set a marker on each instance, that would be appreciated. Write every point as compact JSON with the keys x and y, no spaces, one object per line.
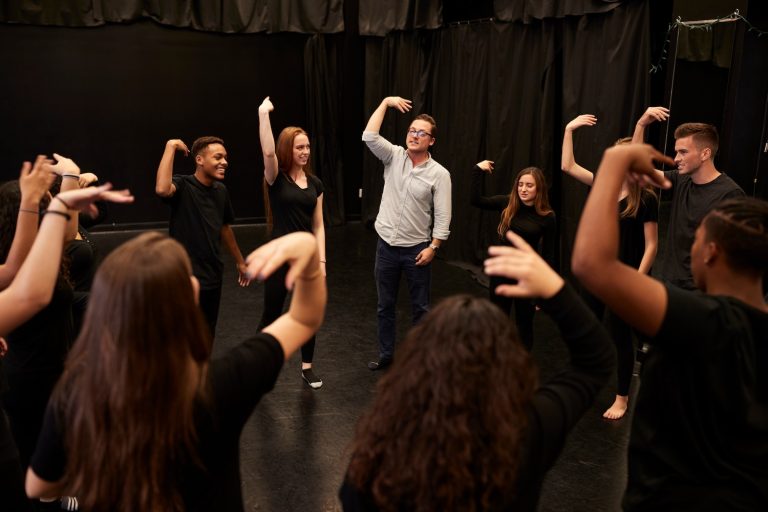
{"x":413,"y":220}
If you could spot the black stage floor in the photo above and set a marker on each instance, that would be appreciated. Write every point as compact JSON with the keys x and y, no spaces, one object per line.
{"x":294,"y":449}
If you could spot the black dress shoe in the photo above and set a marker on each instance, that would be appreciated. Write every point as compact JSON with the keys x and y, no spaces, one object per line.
{"x":379,"y":365}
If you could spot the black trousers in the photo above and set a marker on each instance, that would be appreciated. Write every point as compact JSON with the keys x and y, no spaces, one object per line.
{"x":275,"y":294}
{"x":209,"y":305}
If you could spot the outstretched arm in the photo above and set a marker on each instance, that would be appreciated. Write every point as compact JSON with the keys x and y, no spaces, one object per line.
{"x":32,"y":288}
{"x":34,"y":182}
{"x":635,"y":297}
{"x":374,"y":123}
{"x":304,"y":278}
{"x":567,"y":160}
{"x":230,"y":242}
{"x":164,"y":186}
{"x":477,"y":199}
{"x":267,"y":141}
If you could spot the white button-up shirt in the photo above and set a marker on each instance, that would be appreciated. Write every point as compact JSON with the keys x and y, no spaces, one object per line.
{"x":412,"y":197}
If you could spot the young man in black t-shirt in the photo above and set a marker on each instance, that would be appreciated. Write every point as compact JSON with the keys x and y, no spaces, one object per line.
{"x":201,"y":214}
{"x":697,"y":186}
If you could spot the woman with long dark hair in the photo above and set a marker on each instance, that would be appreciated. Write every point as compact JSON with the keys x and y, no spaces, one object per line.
{"x":525,"y":211}
{"x":639,"y":237}
{"x":293,"y":200}
{"x":459,"y":422}
{"x":700,"y":424}
{"x":141,"y":418}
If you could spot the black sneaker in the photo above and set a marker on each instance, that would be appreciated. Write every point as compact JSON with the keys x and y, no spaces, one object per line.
{"x":379,"y":365}
{"x":310,"y":378}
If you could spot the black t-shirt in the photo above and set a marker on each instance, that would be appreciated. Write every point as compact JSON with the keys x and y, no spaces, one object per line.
{"x":632,"y":229}
{"x":699,"y":436}
{"x":539,"y":231}
{"x":293,"y":206}
{"x":237,"y":381}
{"x":197,"y":215}
{"x":690,"y":203}
{"x":82,"y":261}
{"x":554,"y":410}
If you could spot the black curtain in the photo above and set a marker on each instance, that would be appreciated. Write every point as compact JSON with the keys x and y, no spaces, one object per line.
{"x":323,"y":108}
{"x":231,"y":16}
{"x":379,"y":17}
{"x":110,"y":97}
{"x":504,"y":91}
{"x":529,"y":10}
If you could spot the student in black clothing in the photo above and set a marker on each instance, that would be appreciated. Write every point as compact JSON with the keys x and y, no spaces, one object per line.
{"x":30,"y":291}
{"x":293,"y":199}
{"x":139,"y":383}
{"x":638,"y":242}
{"x":19,"y":207}
{"x":524,"y":211}
{"x":459,"y":422}
{"x":700,"y":424}
{"x":201,"y":215}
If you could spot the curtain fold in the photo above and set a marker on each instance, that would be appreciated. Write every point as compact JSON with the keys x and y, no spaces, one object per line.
{"x":231,"y":16}
{"x":529,"y":10}
{"x":323,"y":104}
{"x":379,"y":17}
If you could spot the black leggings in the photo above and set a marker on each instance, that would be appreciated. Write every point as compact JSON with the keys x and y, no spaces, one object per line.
{"x":274,"y":299}
{"x":209,"y":305}
{"x":524,"y":310}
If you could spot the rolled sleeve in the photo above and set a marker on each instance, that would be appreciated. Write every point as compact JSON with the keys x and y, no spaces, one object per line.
{"x":442,"y":200}
{"x":379,"y":146}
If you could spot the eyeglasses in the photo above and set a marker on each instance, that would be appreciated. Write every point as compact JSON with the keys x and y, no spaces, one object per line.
{"x":418,"y":133}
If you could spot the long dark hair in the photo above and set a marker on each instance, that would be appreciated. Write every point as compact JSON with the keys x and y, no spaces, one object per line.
{"x":284,"y":154}
{"x":445,"y":429}
{"x":130,"y":383}
{"x":540,"y":203}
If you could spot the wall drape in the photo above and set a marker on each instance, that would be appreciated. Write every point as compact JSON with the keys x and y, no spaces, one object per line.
{"x":231,"y":16}
{"x":504,"y":91}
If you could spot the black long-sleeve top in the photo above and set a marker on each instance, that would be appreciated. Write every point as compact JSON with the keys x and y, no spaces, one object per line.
{"x":554,"y":409}
{"x":540,"y":231}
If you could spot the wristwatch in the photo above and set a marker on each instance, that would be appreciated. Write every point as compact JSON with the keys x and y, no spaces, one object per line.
{"x":434,"y":247}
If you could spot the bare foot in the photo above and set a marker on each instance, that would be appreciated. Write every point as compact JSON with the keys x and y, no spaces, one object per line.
{"x":617,"y":410}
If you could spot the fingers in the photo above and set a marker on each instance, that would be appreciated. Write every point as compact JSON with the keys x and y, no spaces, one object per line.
{"x":511,"y":290}
{"x":26,"y":169}
{"x":184,"y":148}
{"x":519,"y":242}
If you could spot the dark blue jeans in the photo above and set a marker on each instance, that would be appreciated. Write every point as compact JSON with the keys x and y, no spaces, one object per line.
{"x":390,"y":263}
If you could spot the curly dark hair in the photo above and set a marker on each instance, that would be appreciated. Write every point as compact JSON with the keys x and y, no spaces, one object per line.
{"x":445,"y":430}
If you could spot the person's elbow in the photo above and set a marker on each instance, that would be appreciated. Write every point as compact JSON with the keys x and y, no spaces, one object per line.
{"x":162,"y":190}
{"x":36,"y":487}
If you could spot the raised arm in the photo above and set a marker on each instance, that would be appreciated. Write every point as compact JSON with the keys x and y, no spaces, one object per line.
{"x":34,"y":182}
{"x":70,"y":180}
{"x":230,"y":242}
{"x":477,"y":199}
{"x":267,"y":141}
{"x":304,"y":278}
{"x":635,"y":297}
{"x":650,"y":116}
{"x":374,"y":123}
{"x":32,"y":288}
{"x":164,"y":186}
{"x":567,"y":160}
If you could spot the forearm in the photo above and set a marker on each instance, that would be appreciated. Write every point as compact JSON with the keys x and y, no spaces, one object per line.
{"x":319,"y":233}
{"x":32,"y":288}
{"x":649,"y":256}
{"x":267,"y":141}
{"x":566,"y":156}
{"x":26,"y":231}
{"x":309,"y":296}
{"x":230,"y":242}
{"x":70,"y":181}
{"x":164,"y":178}
{"x":638,"y":137}
{"x":374,"y":123}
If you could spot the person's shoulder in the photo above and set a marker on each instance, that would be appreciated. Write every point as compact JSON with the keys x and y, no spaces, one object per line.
{"x":729,"y":186}
{"x":438,"y":168}
{"x":315,"y":180}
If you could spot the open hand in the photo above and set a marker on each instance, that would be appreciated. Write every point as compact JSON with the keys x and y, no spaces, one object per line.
{"x":298,"y":249}
{"x":521,"y":262}
{"x":486,"y":166}
{"x":82,"y":199}
{"x":653,"y":114}
{"x":35,"y":180}
{"x":582,"y":120}
{"x":178,"y":145}
{"x":399,"y":103}
{"x":64,"y":165}
{"x":639,"y":159}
